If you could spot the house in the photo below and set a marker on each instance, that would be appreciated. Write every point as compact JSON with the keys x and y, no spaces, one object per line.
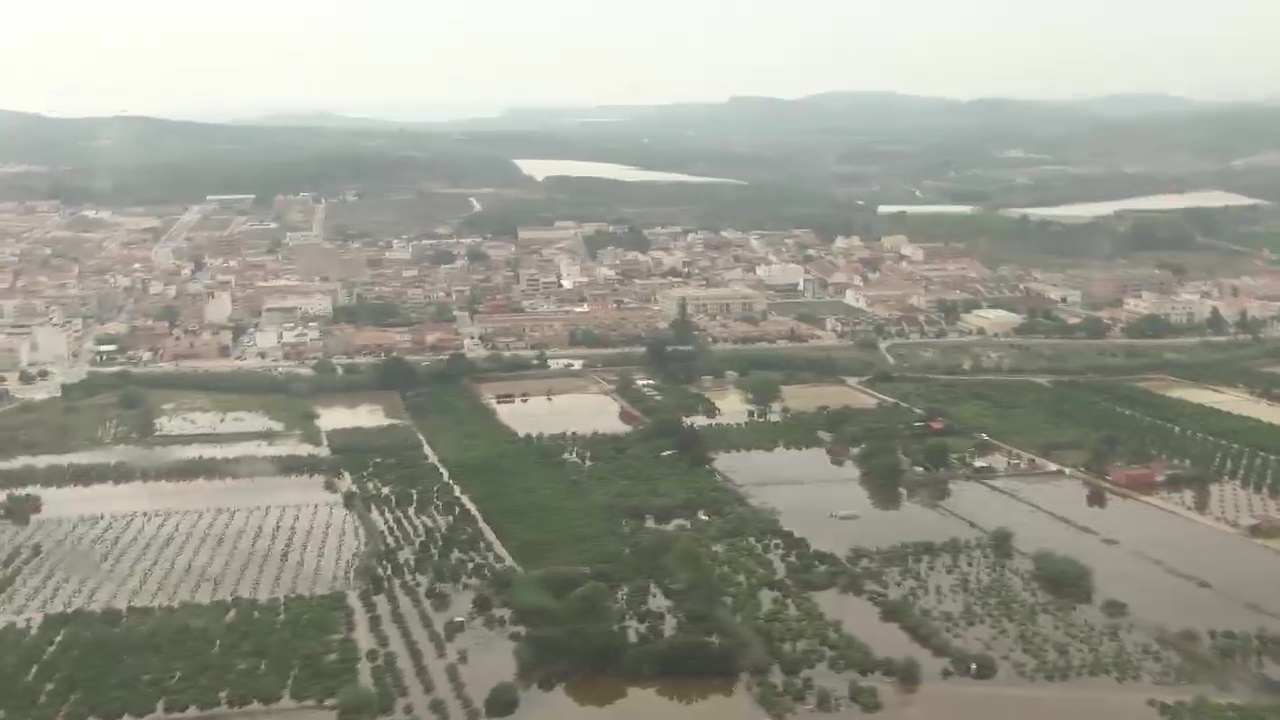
{"x":1143,"y":478}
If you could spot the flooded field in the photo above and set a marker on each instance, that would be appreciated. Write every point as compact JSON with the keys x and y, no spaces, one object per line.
{"x":540,"y":386}
{"x":1227,"y":502}
{"x":805,"y":488}
{"x":805,"y":398}
{"x":202,"y":422}
{"x":192,"y":495}
{"x":1168,"y":568}
{"x":1157,"y":592}
{"x":1223,"y":399}
{"x":338,"y":417}
{"x":1189,"y":549}
{"x":574,"y":412}
{"x":615,"y":699}
{"x":145,"y":455}
{"x":166,"y":543}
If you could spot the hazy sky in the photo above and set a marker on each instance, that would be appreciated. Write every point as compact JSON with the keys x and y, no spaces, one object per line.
{"x":406,"y":58}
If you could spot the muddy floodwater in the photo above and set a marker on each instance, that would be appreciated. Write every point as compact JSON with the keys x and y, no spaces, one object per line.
{"x":1238,"y":569}
{"x":205,"y":422}
{"x":159,"y":543}
{"x":145,"y":455}
{"x":338,"y":417}
{"x":1223,"y":399}
{"x":574,"y":412}
{"x":192,"y":495}
{"x":1171,"y":570}
{"x":614,"y":699}
{"x":805,"y":488}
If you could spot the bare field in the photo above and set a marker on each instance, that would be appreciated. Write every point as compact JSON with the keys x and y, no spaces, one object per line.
{"x":1219,"y":398}
{"x":804,"y":398}
{"x":540,"y":386}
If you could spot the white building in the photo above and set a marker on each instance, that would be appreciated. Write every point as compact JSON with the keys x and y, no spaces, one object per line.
{"x":217,"y":308}
{"x":315,"y":305}
{"x":991,"y":321}
{"x":1060,"y":294}
{"x":781,"y":274}
{"x":49,"y":345}
{"x":1176,"y":309}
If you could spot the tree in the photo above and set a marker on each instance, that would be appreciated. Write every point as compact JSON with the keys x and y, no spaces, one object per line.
{"x":131,"y":398}
{"x":26,"y":377}
{"x":937,"y":454}
{"x":1216,"y":323}
{"x":477,"y":256}
{"x":824,"y":700}
{"x":983,"y":666}
{"x":762,"y":389}
{"x":1246,"y":325}
{"x":909,"y":674}
{"x":396,"y":373}
{"x":441,"y":256}
{"x":1114,"y":609}
{"x":1001,"y":540}
{"x":1150,"y":327}
{"x":1063,"y":576}
{"x":682,"y":328}
{"x":1093,"y":327}
{"x":357,"y":702}
{"x":171,"y":315}
{"x":42,"y":374}
{"x":324,"y":366}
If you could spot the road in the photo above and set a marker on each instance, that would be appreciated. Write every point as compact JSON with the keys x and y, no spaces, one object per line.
{"x":163,"y":251}
{"x":317,"y":220}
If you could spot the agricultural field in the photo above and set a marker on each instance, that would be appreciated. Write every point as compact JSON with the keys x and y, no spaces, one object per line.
{"x":1221,"y":399}
{"x":555,"y":405}
{"x":142,"y":661}
{"x":1070,"y":357}
{"x":806,"y":398}
{"x":358,"y":410}
{"x":158,"y":544}
{"x":110,"y":421}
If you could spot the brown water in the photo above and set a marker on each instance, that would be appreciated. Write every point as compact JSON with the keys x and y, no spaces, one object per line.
{"x":1236,"y":567}
{"x":574,"y":412}
{"x":1153,"y":560}
{"x":598,"y":698}
{"x":143,"y":455}
{"x":805,"y":488}
{"x":190,"y":495}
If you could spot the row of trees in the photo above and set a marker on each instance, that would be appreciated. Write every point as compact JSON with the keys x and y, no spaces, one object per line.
{"x":233,"y":654}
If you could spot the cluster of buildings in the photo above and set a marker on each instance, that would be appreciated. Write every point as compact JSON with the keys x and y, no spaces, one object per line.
{"x":233,"y":280}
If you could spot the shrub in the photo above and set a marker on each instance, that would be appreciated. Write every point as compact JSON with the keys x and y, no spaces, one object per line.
{"x":502,"y":700}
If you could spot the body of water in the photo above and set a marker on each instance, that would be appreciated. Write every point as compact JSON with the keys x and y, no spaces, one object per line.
{"x":543,"y":169}
{"x":572,"y":412}
{"x":146,"y":455}
{"x":1147,"y":203}
{"x":616,"y":699}
{"x":180,"y":496}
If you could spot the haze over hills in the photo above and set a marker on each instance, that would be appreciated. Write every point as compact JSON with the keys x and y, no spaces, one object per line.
{"x":877,"y":146}
{"x":889,"y":106}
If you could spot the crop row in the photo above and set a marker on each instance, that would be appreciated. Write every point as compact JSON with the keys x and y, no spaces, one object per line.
{"x":163,"y":558}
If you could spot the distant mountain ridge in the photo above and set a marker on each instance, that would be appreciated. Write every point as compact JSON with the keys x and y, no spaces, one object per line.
{"x":869,"y":108}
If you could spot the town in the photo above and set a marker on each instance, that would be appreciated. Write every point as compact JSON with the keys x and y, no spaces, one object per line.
{"x":304,"y":422}
{"x":231,"y":282}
